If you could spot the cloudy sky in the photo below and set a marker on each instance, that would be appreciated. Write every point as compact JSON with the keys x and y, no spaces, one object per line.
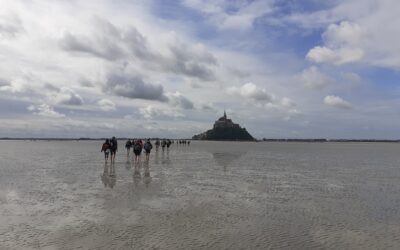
{"x":282,"y":69}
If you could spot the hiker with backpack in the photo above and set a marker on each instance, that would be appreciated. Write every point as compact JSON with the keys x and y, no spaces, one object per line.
{"x":147,"y":148}
{"x":113,"y":148}
{"x":106,"y":149}
{"x":163,"y":144}
{"x":137,"y":149}
{"x":128,"y":146}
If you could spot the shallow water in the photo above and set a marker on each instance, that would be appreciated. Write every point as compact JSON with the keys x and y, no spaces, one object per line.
{"x":209,"y":195}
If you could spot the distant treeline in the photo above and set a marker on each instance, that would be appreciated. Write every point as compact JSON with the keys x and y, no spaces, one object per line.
{"x":329,"y":140}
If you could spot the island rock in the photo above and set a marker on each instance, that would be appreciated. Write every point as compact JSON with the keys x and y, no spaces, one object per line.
{"x":225,"y":130}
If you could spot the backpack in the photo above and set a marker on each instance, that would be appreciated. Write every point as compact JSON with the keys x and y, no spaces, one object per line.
{"x":148,"y":146}
{"x":113,"y":144}
{"x":137,"y":147}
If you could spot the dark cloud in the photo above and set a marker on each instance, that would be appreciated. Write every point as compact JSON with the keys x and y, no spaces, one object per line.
{"x":186,"y":103}
{"x":176,"y":99}
{"x":208,"y":107}
{"x":138,"y":44}
{"x":3,"y":82}
{"x":51,"y":87}
{"x":72,"y":99}
{"x":13,"y":107}
{"x":10,"y":25}
{"x":103,"y":47}
{"x":192,"y":62}
{"x":195,"y":85}
{"x":86,"y":83}
{"x":111,"y":43}
{"x":133,"y":87}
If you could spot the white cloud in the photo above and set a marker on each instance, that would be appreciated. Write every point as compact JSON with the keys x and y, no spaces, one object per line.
{"x":66,"y":96}
{"x":260,"y":98}
{"x":359,"y":31}
{"x":106,"y":105}
{"x":45,"y":110}
{"x":342,"y":45}
{"x":152,"y":112}
{"x":287,"y":102}
{"x":344,"y":34}
{"x":232,"y":15}
{"x":251,"y":91}
{"x":16,"y":85}
{"x":335,"y":56}
{"x":337,"y":102}
{"x":312,"y":78}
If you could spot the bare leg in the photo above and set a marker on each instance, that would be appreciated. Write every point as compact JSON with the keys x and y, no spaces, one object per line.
{"x":147,"y":156}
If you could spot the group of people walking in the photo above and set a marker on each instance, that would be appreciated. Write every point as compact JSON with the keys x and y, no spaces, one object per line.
{"x":138,"y":146}
{"x":110,"y":147}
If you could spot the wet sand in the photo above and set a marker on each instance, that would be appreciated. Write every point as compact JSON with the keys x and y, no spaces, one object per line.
{"x":209,"y":195}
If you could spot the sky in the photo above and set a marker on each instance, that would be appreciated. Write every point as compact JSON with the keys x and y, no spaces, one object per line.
{"x":156,"y":68}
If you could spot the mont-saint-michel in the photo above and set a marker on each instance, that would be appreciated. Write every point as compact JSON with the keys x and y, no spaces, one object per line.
{"x":225,"y":130}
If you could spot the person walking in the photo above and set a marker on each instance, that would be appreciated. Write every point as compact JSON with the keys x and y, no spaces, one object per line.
{"x":147,"y":148}
{"x":163,"y":144}
{"x":113,"y":148}
{"x":128,"y":146}
{"x":137,"y":149}
{"x":106,"y":149}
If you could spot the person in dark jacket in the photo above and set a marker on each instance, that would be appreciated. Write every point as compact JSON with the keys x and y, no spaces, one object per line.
{"x":113,"y":148}
{"x":137,"y":149}
{"x":147,"y":148}
{"x":128,"y":146}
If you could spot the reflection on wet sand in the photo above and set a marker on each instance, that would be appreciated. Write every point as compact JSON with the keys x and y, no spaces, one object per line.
{"x":147,"y":177}
{"x":136,"y":172}
{"x":165,"y":157}
{"x":275,"y":196}
{"x":128,"y":165}
{"x":157,"y":157}
{"x":109,"y":177}
{"x":225,"y":158}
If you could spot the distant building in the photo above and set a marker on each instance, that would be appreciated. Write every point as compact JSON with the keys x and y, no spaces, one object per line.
{"x":225,"y":130}
{"x":224,"y":122}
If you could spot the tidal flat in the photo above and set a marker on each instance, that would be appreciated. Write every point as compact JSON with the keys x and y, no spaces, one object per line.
{"x":209,"y":195}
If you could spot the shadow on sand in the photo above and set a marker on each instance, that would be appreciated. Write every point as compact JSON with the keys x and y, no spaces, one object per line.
{"x":109,"y":177}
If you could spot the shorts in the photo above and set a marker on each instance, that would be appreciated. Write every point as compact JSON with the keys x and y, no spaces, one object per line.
{"x":137,"y":152}
{"x":147,"y":151}
{"x":113,"y":151}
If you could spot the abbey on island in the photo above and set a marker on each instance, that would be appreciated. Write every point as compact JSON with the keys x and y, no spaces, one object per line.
{"x":225,"y":130}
